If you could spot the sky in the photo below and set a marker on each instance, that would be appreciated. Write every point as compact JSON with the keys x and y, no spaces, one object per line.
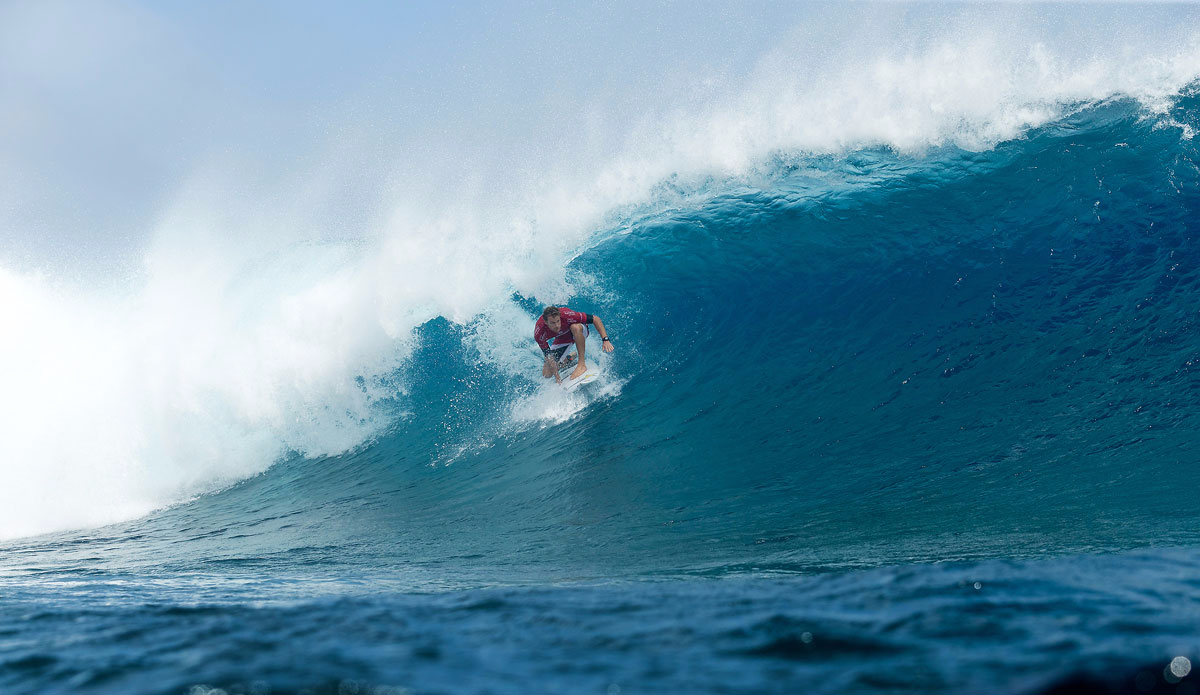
{"x":109,"y":109}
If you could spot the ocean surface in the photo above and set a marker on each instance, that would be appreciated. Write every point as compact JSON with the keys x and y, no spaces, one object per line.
{"x":882,"y":417}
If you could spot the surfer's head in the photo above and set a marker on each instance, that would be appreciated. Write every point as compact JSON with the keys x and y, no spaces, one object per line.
{"x":551,"y":316}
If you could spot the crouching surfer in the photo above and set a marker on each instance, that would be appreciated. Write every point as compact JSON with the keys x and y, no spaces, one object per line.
{"x":558,"y":329}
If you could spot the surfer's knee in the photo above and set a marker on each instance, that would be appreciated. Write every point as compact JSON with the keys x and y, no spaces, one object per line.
{"x":578,"y":330}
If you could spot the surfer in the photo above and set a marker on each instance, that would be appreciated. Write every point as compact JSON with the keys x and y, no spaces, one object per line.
{"x":558,"y":329}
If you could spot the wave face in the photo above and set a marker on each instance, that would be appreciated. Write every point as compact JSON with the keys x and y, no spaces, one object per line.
{"x":877,"y":358}
{"x":914,"y":384}
{"x":273,"y":302}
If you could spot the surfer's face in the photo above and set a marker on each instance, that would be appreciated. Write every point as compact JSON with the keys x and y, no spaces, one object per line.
{"x":554,"y":323}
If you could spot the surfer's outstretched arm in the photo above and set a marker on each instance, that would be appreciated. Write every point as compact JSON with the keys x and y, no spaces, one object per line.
{"x":607,"y":345}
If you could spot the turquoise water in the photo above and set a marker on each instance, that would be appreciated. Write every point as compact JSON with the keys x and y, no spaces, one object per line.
{"x":877,"y":423}
{"x":904,"y":305}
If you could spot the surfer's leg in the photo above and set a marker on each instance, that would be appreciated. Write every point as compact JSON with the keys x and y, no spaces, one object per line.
{"x":579,"y":332}
{"x":556,"y":355}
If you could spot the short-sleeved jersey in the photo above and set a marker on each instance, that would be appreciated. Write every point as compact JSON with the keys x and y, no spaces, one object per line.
{"x":543,"y":335}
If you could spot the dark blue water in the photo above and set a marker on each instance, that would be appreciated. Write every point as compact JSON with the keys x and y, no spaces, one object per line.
{"x":876,"y":423}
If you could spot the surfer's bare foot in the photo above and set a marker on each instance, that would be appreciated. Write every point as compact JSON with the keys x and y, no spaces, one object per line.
{"x":579,"y":371}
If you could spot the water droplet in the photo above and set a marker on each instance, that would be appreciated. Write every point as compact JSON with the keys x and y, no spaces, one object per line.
{"x":1181,"y":666}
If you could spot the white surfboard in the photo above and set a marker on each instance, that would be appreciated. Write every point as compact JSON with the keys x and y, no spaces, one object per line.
{"x":592,"y":374}
{"x":594,"y":370}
